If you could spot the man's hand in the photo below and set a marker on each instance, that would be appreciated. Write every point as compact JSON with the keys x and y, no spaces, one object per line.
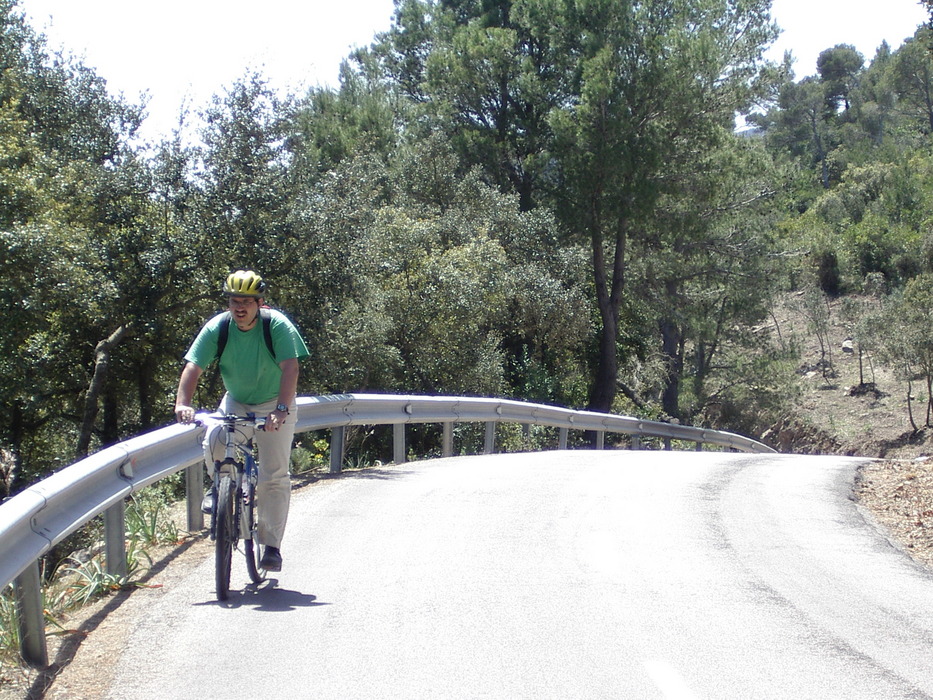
{"x":184,"y":414}
{"x":276,"y":420}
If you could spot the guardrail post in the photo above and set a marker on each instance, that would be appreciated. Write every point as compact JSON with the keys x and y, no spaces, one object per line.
{"x":28,"y":592}
{"x":636,"y":442}
{"x":562,"y":439}
{"x":667,"y":444}
{"x":194,"y":491}
{"x":115,"y":538}
{"x":600,"y":439}
{"x":699,"y":447}
{"x":338,"y":438}
{"x":398,"y":443}
{"x":448,"y":439}
{"x":489,"y":444}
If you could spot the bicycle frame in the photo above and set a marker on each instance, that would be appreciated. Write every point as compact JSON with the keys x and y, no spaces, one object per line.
{"x":245,"y":469}
{"x":233,"y":512}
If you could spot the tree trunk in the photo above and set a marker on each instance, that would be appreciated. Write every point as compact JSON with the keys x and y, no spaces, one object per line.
{"x":110,"y":433}
{"x":96,"y":387}
{"x":929,"y":381}
{"x":671,"y":348}
{"x":609,"y":298}
{"x":14,"y":476}
{"x":603,"y":391}
{"x":910,"y":398}
{"x":146,"y":371}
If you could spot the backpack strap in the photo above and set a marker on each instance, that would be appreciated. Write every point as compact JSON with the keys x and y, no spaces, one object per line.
{"x":224,"y":331}
{"x":267,"y":329}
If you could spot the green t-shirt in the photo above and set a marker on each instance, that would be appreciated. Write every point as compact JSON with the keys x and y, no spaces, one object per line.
{"x":249,"y":372}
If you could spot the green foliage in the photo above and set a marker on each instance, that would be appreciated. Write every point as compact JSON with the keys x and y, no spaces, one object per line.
{"x":310,"y":455}
{"x":330,"y":127}
{"x":541,"y":200}
{"x":537,"y":199}
{"x":145,"y":523}
{"x":839,"y":68}
{"x":911,"y":77}
{"x":80,"y":254}
{"x":85,"y":581}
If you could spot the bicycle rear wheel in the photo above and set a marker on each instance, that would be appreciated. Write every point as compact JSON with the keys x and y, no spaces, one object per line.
{"x":225,"y":536}
{"x":250,"y":542}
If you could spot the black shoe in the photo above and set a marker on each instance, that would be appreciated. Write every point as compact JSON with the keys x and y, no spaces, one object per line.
{"x":271,"y":559}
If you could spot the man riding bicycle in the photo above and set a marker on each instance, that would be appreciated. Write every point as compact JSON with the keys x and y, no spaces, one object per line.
{"x":258,"y":356}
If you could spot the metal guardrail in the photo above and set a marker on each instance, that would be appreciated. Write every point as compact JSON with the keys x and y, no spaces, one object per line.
{"x":38,"y":518}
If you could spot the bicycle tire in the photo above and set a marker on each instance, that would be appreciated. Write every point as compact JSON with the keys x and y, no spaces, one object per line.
{"x":250,"y":542}
{"x":225,"y":537}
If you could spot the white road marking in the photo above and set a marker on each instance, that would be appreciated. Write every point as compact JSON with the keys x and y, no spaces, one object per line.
{"x":668,"y":680}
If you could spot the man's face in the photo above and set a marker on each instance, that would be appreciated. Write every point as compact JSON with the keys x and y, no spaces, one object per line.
{"x":244,"y":310}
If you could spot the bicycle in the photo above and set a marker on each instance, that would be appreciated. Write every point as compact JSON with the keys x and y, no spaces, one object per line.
{"x":233,"y":511}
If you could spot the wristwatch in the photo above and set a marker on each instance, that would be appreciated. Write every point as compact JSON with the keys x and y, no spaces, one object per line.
{"x":282,"y":407}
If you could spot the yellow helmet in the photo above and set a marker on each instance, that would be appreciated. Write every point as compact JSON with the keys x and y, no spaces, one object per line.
{"x":244,"y":283}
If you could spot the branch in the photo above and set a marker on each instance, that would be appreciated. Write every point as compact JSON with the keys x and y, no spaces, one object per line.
{"x":101,"y":368}
{"x":631,"y":395}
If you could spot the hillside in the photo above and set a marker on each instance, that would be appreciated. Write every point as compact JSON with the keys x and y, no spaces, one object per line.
{"x":834,"y":415}
{"x":841,"y":409}
{"x":836,"y":412}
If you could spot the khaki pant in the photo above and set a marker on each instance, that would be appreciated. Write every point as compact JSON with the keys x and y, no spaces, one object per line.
{"x":275,"y":448}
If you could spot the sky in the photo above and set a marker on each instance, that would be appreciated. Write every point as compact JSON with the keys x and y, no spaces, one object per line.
{"x":178,"y":50}
{"x":186,"y":51}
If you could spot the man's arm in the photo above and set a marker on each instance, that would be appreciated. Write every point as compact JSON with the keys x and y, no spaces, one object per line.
{"x":184,"y":411}
{"x":288,"y":387}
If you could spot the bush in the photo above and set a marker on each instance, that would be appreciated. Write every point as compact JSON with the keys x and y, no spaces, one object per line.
{"x":827,"y":272}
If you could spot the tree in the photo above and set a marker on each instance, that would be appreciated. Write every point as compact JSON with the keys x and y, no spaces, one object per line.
{"x":247,"y":194}
{"x":913,"y":79}
{"x":908,"y":345}
{"x":428,"y":279}
{"x":587,"y":104}
{"x":650,"y":88}
{"x":69,"y":192}
{"x":328,"y":126}
{"x":839,"y":69}
{"x":874,"y":100}
{"x":706,"y":273}
{"x":799,"y":126}
{"x":486,"y":79}
{"x":89,"y":259}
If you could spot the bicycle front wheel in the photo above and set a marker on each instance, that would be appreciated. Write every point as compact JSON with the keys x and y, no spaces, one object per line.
{"x":225,"y":539}
{"x":250,"y":529}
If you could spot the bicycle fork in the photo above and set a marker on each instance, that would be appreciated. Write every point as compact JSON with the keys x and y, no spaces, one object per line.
{"x":248,"y":479}
{"x":228,"y":465}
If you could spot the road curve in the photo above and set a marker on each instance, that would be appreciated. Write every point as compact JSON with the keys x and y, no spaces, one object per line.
{"x":576,"y":574}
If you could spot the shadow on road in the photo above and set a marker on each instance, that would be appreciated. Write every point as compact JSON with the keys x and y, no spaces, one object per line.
{"x":267,"y":597}
{"x":300,"y":480}
{"x":370,"y":473}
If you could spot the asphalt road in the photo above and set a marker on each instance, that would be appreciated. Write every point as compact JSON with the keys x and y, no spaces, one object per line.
{"x":558,"y":575}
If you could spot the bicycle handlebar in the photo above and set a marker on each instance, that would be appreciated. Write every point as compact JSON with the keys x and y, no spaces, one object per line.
{"x":230,"y":419}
